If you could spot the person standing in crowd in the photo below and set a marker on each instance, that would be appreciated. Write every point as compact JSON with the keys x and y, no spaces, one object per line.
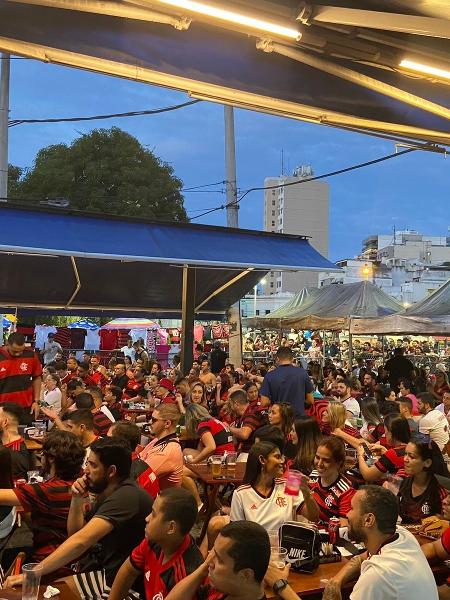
{"x":398,"y":367}
{"x":206,"y":376}
{"x":384,"y":571}
{"x":128,"y":350}
{"x":217,"y":358}
{"x":50,"y":350}
{"x":287,"y":383}
{"x":20,"y":375}
{"x":433,"y":422}
{"x":10,"y":415}
{"x":141,"y":354}
{"x":103,"y":538}
{"x":163,"y":454}
{"x":168,"y":553}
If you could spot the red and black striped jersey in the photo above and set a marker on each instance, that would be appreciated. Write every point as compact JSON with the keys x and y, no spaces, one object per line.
{"x":392,"y":461}
{"x":221,"y":434}
{"x":333,"y":500}
{"x":49,"y":504}
{"x":20,"y":458}
{"x":16,"y":376}
{"x":254,"y":419}
{"x":101,"y":422}
{"x":159,"y":576}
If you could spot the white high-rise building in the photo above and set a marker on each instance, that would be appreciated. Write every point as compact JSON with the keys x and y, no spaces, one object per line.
{"x":301,"y":209}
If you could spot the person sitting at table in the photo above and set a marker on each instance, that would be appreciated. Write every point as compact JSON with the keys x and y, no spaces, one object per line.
{"x":405,"y":405}
{"x":334,"y":421}
{"x":306,"y":436}
{"x":214,"y":438}
{"x":247,"y":422}
{"x":48,"y":502}
{"x":373,"y":428}
{"x":10,"y":415}
{"x":236,"y":568}
{"x":101,"y":539}
{"x":99,"y":403}
{"x":393,"y":567}
{"x":168,"y":553}
{"x":281,"y":416}
{"x":113,"y":400}
{"x":331,"y":490}
{"x":420,"y":494}
{"x":81,"y":423}
{"x":7,"y":513}
{"x":433,"y":422}
{"x":261,"y":497}
{"x":197,"y":394}
{"x":163,"y":454}
{"x":391,"y":460}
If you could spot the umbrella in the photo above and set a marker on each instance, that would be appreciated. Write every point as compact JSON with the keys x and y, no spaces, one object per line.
{"x":83,"y":324}
{"x":131,"y":324}
{"x":6,"y":322}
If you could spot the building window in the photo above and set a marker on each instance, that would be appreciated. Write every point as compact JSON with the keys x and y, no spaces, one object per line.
{"x":273,"y":223}
{"x":273,"y":213}
{"x":257,"y":312}
{"x":267,"y":311}
{"x":273,"y":192}
{"x":271,"y":284}
{"x":273,"y":202}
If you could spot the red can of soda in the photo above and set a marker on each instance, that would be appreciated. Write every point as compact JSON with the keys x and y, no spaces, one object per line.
{"x":333,"y":529}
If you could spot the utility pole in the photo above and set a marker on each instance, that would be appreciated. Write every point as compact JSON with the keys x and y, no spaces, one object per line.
{"x":234,"y":313}
{"x":4,"y":113}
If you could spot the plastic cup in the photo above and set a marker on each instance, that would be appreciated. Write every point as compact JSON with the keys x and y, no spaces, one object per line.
{"x":31,"y":580}
{"x":273,"y":537}
{"x":278,"y":556}
{"x":216,"y":466}
{"x":231,"y":464}
{"x":293,"y":481}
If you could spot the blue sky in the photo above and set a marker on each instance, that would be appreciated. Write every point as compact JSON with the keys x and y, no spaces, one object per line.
{"x":410,"y":191}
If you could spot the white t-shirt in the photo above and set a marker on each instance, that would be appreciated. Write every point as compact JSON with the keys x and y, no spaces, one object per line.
{"x":399,"y":572}
{"x":53,"y":398}
{"x":435,"y":425}
{"x":130,"y":352}
{"x":51,"y":349}
{"x":271,"y":512}
{"x":352,"y":405}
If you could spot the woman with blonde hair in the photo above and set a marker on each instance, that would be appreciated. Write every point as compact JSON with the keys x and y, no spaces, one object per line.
{"x":335,"y":423}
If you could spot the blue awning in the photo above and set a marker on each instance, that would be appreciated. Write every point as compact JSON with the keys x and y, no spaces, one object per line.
{"x":58,"y":259}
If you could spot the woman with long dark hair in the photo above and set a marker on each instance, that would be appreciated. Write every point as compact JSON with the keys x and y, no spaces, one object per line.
{"x":420,"y":494}
{"x":373,"y":428}
{"x":398,"y":434}
{"x":306,"y":437}
{"x":281,"y":416}
{"x":261,"y":497}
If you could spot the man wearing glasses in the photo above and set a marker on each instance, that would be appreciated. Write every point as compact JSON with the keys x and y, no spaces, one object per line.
{"x":163,"y":454}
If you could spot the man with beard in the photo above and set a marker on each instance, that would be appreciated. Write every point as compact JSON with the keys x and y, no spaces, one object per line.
{"x":106,"y":535}
{"x":384,"y":571}
{"x":343,"y":394}
{"x":369,"y":384}
{"x":48,"y":502}
{"x":10,"y":416}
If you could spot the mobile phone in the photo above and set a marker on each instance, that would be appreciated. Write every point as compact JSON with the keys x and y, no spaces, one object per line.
{"x":367,"y":451}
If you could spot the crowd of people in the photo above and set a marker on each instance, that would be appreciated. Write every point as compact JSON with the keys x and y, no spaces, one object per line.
{"x":116,"y":502}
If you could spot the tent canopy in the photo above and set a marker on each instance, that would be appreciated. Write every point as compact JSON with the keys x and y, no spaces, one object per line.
{"x":430,"y":316}
{"x":337,"y":304}
{"x":83,"y":324}
{"x":356,"y":50}
{"x":274,"y":320}
{"x":131,"y":324}
{"x":92,"y":263}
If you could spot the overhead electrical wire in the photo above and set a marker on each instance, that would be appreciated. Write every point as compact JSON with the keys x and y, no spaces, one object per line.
{"x":137,"y":113}
{"x":300,"y":181}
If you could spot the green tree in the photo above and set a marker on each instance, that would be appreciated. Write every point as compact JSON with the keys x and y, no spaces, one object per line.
{"x":14,"y":176}
{"x":106,"y":171}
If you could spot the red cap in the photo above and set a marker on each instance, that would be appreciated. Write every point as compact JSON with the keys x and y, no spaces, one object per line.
{"x":166,"y":383}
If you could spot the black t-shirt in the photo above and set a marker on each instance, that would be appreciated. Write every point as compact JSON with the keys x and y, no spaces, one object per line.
{"x":414,"y":509}
{"x":398,"y":367}
{"x":126,"y":508}
{"x":120,"y":382}
{"x":217,"y":358}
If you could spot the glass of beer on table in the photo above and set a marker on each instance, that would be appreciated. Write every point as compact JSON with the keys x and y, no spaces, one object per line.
{"x":216,"y":466}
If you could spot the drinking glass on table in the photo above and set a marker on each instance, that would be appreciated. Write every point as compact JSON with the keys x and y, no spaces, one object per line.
{"x":278,"y":556}
{"x":216,"y":466}
{"x":31,"y":580}
{"x":231,"y":464}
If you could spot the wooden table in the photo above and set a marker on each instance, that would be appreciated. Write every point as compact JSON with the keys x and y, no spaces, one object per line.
{"x":203,"y":472}
{"x":313,"y":584}
{"x":16,"y":593}
{"x":33,"y":445}
{"x":133,"y":413}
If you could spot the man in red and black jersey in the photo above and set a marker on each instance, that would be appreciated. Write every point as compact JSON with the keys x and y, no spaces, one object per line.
{"x":248,"y":421}
{"x":168,"y":553}
{"x":83,"y":374}
{"x":10,"y":416}
{"x":136,"y":385}
{"x":72,"y":370}
{"x":20,"y":374}
{"x":98,"y":372}
{"x":235,"y":568}
{"x":49,"y":502}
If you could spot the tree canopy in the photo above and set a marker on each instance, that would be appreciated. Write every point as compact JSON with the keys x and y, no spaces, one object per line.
{"x":106,"y":171}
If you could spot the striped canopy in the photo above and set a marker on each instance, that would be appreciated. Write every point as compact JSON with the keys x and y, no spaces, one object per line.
{"x":131,"y":324}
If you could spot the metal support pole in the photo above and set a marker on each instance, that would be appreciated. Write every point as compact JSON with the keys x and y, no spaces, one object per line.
{"x":234,"y":313}
{"x":350,"y":351}
{"x":4,"y":114}
{"x":187,"y":316}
